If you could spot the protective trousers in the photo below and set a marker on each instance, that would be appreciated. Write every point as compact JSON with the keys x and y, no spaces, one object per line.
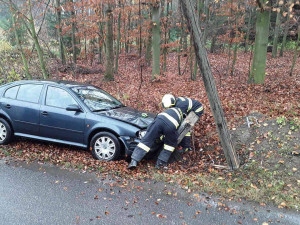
{"x":186,"y":142}
{"x":155,"y":130}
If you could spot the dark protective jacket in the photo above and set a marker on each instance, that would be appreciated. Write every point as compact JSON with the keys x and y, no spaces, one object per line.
{"x":187,"y":105}
{"x":165,"y":124}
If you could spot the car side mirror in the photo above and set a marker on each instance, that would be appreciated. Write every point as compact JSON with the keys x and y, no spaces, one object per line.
{"x":74,"y":108}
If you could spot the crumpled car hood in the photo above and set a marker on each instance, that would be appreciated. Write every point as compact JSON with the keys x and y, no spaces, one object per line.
{"x":130,"y":115}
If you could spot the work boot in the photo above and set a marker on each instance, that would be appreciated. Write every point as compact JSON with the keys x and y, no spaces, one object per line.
{"x":161,"y":165}
{"x":187,"y":149}
{"x":132,"y":165}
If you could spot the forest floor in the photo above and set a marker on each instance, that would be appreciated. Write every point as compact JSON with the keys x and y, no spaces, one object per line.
{"x":268,"y":146}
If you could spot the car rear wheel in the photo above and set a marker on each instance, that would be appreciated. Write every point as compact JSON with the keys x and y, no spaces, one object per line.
{"x":5,"y":132}
{"x":105,"y":146}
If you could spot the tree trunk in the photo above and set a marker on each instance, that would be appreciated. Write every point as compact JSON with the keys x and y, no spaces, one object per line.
{"x":237,"y":14}
{"x":36,"y":43}
{"x":206,"y":12}
{"x":165,"y":50}
{"x":257,"y":74}
{"x":128,"y":32}
{"x":101,"y":36}
{"x":286,"y":29}
{"x":229,"y":57}
{"x":59,"y":31}
{"x":195,"y":68}
{"x":277,"y":29}
{"x":100,"y":49}
{"x":25,"y":62}
{"x":73,"y":32}
{"x":248,"y":30}
{"x":85,"y":48}
{"x":148,"y":46}
{"x":209,"y":83}
{"x":234,"y":59}
{"x":118,"y":40}
{"x":191,"y":59}
{"x":178,"y":55}
{"x":296,"y":51}
{"x":155,"y":40}
{"x":109,"y":64}
{"x":140,"y":31}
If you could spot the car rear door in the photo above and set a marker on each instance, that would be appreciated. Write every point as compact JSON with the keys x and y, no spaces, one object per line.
{"x":21,"y":103}
{"x":58,"y":123}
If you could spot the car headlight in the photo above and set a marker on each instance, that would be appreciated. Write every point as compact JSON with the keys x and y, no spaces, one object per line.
{"x":141,"y":134}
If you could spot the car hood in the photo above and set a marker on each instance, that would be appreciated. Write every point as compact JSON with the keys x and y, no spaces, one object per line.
{"x":141,"y":119}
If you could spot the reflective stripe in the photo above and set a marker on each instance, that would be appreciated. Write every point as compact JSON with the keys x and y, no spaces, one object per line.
{"x":188,"y":134}
{"x":169,"y":148}
{"x":199,"y":109}
{"x":190,"y":104}
{"x":143,"y":146}
{"x":180,"y":113}
{"x":177,"y":112}
{"x":176,"y":124}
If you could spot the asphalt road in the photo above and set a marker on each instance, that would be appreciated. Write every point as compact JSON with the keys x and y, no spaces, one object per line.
{"x":44,"y":194}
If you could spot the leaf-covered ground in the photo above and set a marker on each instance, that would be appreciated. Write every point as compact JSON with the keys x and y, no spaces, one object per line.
{"x":269,"y":153}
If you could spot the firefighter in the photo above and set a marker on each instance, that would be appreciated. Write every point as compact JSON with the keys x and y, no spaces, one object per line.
{"x":165,"y":124}
{"x":186,"y":105}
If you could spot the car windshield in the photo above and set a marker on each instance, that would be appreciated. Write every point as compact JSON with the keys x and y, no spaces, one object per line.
{"x":96,"y":99}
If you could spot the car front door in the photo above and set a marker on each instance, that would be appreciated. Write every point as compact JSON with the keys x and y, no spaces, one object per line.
{"x":21,"y":103}
{"x":58,"y":123}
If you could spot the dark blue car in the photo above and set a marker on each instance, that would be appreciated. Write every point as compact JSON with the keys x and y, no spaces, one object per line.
{"x":71,"y":113}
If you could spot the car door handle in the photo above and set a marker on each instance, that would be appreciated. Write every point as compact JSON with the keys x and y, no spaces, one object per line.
{"x":8,"y":106}
{"x":44,"y":113}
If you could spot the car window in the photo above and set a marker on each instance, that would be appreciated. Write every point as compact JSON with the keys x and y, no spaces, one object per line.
{"x":30,"y":92}
{"x":58,"y":97}
{"x":11,"y":92}
{"x":96,"y":99}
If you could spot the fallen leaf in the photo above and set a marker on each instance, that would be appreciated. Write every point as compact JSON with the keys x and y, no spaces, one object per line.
{"x":229,"y":190}
{"x":282,"y":204}
{"x":253,"y":186}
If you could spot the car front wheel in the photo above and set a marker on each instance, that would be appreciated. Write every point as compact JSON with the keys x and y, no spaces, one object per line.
{"x":105,"y":146}
{"x":5,"y":132}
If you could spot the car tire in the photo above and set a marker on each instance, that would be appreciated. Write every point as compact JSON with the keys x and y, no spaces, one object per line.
{"x":105,"y":146}
{"x":5,"y":132}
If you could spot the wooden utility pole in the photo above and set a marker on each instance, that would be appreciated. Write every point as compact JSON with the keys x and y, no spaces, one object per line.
{"x":209,"y":83}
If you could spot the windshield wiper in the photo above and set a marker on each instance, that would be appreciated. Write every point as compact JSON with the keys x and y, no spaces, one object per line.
{"x":116,"y":107}
{"x":100,"y":110}
{"x":107,"y":109}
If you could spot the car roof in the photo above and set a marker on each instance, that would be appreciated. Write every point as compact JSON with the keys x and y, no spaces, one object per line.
{"x":65,"y":83}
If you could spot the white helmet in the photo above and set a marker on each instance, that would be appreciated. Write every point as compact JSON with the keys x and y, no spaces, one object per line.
{"x":168,"y":101}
